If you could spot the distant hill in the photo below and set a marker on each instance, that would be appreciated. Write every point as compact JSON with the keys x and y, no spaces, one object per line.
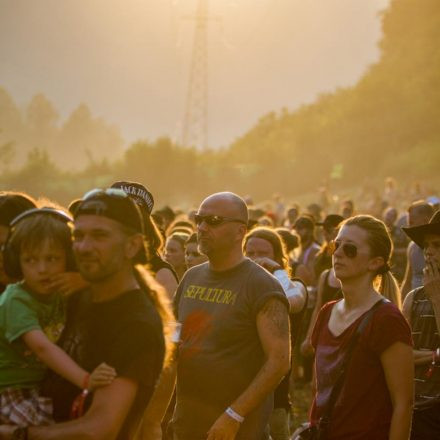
{"x":387,"y":124}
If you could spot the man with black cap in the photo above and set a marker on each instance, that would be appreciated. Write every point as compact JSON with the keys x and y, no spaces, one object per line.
{"x":119,"y":320}
{"x":422,"y":310}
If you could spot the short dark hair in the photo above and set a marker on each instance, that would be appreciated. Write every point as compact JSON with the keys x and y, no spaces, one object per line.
{"x":13,"y":204}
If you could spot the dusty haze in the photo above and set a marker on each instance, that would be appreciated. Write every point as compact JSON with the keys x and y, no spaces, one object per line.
{"x":129,"y":60}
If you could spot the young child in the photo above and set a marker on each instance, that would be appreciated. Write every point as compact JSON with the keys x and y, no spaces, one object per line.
{"x":32,"y":317}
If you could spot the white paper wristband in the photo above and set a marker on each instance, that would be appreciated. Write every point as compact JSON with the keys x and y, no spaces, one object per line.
{"x":231,"y":413}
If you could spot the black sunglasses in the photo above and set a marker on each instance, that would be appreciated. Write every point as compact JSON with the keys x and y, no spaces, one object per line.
{"x":349,"y":250}
{"x":215,"y":220}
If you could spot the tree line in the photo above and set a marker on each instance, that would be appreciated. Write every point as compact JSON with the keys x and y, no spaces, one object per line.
{"x":386,"y":124}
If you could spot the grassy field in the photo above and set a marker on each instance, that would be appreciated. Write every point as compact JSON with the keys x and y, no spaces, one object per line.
{"x":301,"y":401}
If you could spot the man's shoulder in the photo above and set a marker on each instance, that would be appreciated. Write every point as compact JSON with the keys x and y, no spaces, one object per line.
{"x":417,"y":293}
{"x":417,"y":296}
{"x":139,"y":303}
{"x":202,"y":268}
{"x":194,"y":273}
{"x":133,"y":305}
{"x":260,"y":274}
{"x":262,"y":286}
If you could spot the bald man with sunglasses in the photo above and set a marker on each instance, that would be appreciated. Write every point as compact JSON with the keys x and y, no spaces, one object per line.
{"x":234,"y":339}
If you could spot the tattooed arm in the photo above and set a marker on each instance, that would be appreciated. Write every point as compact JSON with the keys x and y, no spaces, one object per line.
{"x":274,"y":333}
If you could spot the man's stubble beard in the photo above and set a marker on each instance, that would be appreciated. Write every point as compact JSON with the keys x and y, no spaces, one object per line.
{"x":101,"y":274}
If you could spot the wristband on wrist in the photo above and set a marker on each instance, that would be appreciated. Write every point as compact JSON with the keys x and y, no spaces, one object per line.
{"x":77,"y":409}
{"x":86,"y":382}
{"x":231,"y":413}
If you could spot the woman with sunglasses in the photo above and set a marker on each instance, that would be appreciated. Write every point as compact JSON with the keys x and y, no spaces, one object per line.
{"x":375,"y":399}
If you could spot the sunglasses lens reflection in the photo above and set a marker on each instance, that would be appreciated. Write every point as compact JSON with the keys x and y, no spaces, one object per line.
{"x":349,"y":250}
{"x":211,"y":220}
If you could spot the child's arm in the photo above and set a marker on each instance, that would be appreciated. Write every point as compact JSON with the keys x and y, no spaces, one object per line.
{"x":57,"y":360}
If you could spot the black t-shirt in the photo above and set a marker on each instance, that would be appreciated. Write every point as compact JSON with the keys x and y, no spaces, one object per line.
{"x":157,"y":263}
{"x":126,"y":333}
{"x":220,"y":352}
{"x":323,"y":261}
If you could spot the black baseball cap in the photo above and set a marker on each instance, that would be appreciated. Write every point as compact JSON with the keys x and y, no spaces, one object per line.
{"x":111,"y":203}
{"x":115,"y":204}
{"x":138,"y":193}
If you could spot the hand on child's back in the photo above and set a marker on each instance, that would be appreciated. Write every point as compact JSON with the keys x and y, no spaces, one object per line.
{"x":101,"y":376}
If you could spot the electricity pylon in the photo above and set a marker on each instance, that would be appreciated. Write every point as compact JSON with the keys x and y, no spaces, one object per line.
{"x":195,"y":122}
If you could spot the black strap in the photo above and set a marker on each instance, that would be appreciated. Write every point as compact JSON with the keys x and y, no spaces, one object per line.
{"x":324,"y":421}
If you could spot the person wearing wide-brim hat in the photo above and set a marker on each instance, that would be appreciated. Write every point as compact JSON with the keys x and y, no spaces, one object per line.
{"x":422,"y":310}
{"x":418,"y":233}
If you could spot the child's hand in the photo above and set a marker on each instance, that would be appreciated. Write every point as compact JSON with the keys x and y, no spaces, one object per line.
{"x":102,"y":375}
{"x":68,"y":283}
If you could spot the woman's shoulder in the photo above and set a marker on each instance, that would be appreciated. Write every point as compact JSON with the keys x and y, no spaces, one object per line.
{"x":388,"y":310}
{"x":325,"y":312}
{"x":388,"y":325}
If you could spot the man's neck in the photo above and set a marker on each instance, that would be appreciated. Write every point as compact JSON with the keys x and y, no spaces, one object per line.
{"x":220,"y":263}
{"x":113,"y":286}
{"x":306,"y":243}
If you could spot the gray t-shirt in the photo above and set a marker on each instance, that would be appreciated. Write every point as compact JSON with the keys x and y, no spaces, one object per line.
{"x":220,"y":352}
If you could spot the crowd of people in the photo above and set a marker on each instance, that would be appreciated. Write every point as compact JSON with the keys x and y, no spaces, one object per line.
{"x":119,"y":321}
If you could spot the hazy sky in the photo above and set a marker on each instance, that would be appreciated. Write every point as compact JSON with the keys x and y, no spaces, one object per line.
{"x":129,"y":59}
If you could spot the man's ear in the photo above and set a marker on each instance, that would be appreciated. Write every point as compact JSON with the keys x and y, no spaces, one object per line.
{"x":133,"y":245}
{"x":242,"y":230}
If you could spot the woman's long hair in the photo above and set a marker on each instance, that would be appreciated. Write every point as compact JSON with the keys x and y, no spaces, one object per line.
{"x":278,"y":246}
{"x":161,"y":302}
{"x":381,"y":245}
